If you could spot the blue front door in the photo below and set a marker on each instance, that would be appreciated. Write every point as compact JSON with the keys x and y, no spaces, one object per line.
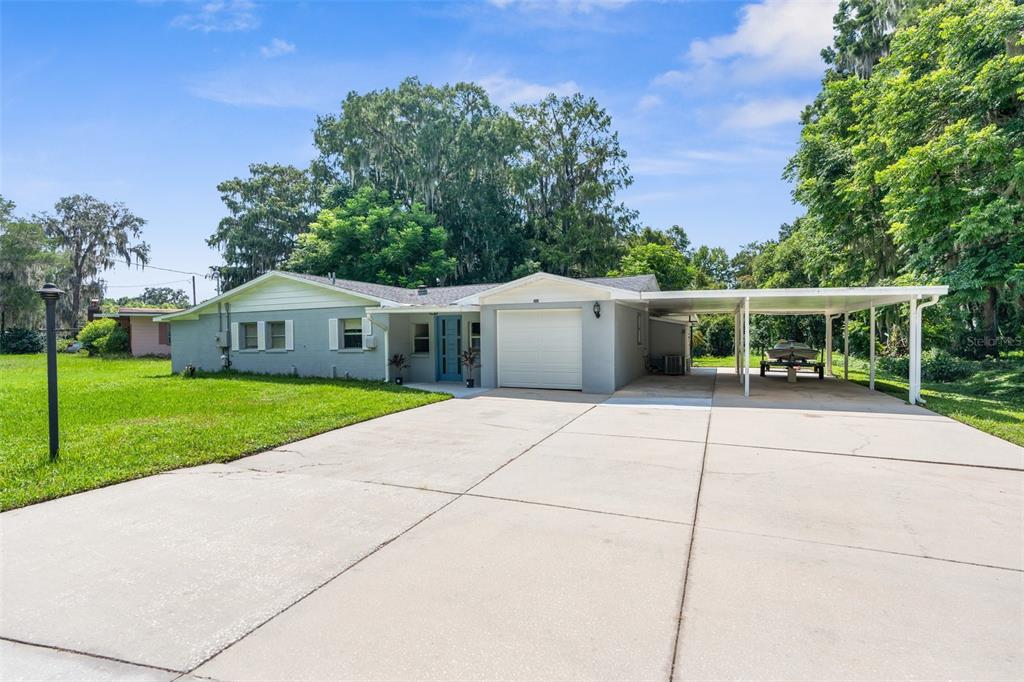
{"x":448,"y":332}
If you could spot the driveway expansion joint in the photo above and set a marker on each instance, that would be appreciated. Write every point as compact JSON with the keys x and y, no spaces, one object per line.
{"x":347,"y":568}
{"x":693,"y":535}
{"x":90,"y":654}
{"x":861,"y":548}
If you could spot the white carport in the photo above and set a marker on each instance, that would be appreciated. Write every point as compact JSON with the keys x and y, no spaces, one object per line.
{"x":830,"y":302}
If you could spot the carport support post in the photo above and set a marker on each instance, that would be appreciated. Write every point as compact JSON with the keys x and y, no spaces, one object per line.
{"x":914,"y":354}
{"x":846,"y":346}
{"x":871,"y":353}
{"x":746,"y":347}
{"x":737,"y":343}
{"x":828,"y":342}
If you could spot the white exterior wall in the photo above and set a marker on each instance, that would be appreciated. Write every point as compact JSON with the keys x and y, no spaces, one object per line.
{"x":667,"y":338}
{"x":630,"y":346}
{"x":286,"y":294}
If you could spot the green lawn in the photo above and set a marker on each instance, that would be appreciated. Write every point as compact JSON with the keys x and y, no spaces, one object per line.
{"x":127,"y":418}
{"x":991,"y":400}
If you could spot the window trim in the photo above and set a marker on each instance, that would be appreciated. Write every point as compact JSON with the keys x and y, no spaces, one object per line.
{"x":355,"y":332}
{"x":283,"y":336}
{"x":419,"y":337}
{"x":243,"y":328}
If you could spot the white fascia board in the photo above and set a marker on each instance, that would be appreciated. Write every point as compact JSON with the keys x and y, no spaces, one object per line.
{"x":193,"y":312}
{"x":413,"y":309}
{"x":906,"y":292}
{"x":615,"y":292}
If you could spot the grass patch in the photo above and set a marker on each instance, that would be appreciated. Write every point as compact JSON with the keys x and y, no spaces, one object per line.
{"x":991,"y":399}
{"x":126,"y":418}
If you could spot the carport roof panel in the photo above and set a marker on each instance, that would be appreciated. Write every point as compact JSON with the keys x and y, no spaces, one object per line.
{"x":785,"y":301}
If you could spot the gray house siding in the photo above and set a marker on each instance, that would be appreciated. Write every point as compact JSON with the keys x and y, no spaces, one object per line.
{"x":598,"y":342}
{"x":194,"y":343}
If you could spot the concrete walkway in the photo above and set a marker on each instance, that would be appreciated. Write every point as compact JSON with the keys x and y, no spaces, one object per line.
{"x":836,"y":533}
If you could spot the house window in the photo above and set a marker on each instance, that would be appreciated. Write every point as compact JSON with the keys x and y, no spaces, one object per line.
{"x":276,"y":332}
{"x":639,"y":333}
{"x":421,"y":338}
{"x":474,"y":336}
{"x":352,"y":333}
{"x":163,"y":331}
{"x":250,"y":338}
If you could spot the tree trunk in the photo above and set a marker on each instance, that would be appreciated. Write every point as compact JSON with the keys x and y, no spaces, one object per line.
{"x":991,"y":323}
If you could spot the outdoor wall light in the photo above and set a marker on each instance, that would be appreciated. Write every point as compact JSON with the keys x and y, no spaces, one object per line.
{"x":597,"y":309}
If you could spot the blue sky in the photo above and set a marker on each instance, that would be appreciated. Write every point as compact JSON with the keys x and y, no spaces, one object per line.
{"x":154,"y":103}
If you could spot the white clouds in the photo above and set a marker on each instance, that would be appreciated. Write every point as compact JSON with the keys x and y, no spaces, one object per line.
{"x":277,"y":48}
{"x":774,"y":40}
{"x":764,"y":113}
{"x":220,"y":15}
{"x":505,"y":90}
{"x":648,"y":102}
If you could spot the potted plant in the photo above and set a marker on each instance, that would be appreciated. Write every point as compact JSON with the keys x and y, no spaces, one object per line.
{"x":469,"y":359}
{"x":399,"y":362}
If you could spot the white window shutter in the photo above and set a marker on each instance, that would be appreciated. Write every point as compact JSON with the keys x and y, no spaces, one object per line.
{"x":289,"y":335}
{"x":332,"y":333}
{"x":261,"y":335}
{"x":367,"y":326}
{"x":234,"y":336}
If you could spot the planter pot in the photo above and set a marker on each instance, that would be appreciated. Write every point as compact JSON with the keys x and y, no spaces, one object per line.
{"x":398,"y":380}
{"x":470,"y":383}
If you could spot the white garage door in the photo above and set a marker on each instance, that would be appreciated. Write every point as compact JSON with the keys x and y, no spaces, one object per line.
{"x":540,"y":348}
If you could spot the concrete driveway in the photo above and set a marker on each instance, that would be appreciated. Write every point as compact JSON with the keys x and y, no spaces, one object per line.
{"x":673,"y":530}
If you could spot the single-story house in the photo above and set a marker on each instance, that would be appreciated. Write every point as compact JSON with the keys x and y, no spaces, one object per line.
{"x":539,"y":331}
{"x":146,"y":337}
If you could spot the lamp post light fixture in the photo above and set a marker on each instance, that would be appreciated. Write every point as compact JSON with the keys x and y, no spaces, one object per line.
{"x":597,"y":309}
{"x":50,"y":293}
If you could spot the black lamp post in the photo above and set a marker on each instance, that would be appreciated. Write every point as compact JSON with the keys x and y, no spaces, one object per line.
{"x":50,"y":294}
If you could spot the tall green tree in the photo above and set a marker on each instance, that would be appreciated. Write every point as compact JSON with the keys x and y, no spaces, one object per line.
{"x":27,"y":260}
{"x":447,"y":148}
{"x":668,"y":263}
{"x":567,"y":178}
{"x":373,"y":238}
{"x":913,"y":171}
{"x":266,"y":212}
{"x":94,"y":235}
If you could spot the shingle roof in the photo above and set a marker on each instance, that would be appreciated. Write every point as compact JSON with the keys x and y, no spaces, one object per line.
{"x":631,"y":283}
{"x":146,"y":311}
{"x":448,"y":295}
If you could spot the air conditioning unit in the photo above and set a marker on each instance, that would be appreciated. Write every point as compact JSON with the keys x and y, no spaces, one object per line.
{"x":673,"y":364}
{"x":221,"y":339}
{"x":369,"y":342}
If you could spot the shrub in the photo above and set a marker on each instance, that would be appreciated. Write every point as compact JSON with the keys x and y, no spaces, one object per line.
{"x":115,"y":342}
{"x":936,"y":365}
{"x":18,"y":340}
{"x":897,"y":365}
{"x":94,"y":331}
{"x":104,"y":337}
{"x":939,"y":365}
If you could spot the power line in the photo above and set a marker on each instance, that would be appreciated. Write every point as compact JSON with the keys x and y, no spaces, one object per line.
{"x":180,"y":272}
{"x":147,"y":284}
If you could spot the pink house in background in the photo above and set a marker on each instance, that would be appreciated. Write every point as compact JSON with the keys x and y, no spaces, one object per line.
{"x":147,"y":337}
